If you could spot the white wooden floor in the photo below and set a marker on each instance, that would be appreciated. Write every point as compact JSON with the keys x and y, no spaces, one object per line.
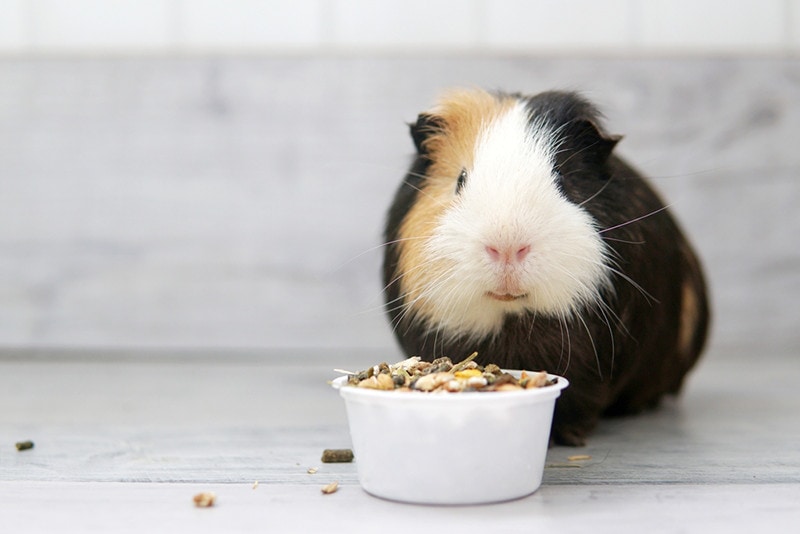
{"x":123,"y":442}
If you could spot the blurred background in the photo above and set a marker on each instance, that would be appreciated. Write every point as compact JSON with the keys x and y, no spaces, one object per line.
{"x":213,"y":174}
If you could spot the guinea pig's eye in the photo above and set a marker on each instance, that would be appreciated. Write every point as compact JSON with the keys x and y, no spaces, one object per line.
{"x":462,"y":179}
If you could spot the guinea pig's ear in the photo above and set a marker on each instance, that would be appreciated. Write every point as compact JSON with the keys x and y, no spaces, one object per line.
{"x":588,"y":134}
{"x":426,"y":125}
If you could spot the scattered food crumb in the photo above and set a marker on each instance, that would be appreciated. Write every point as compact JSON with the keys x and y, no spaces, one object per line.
{"x":337,"y":456}
{"x":579,"y":457}
{"x":312,"y":470}
{"x":205,"y":499}
{"x":255,"y":484}
{"x":330,"y":488}
{"x":24,"y":445}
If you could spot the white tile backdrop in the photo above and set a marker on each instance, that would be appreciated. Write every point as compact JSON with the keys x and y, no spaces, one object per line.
{"x":238,"y":200}
{"x":539,"y":26}
{"x":209,"y":172}
{"x":97,"y":25}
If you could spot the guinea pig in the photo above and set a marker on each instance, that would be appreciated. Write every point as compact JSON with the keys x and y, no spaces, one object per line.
{"x":519,"y":233}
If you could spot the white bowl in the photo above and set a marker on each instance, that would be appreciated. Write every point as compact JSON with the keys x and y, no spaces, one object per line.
{"x":450,"y":448}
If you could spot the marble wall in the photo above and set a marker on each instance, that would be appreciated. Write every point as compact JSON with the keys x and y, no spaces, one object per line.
{"x":238,"y":201}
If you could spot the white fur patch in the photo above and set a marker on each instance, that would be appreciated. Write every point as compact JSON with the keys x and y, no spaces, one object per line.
{"x":510,"y":200}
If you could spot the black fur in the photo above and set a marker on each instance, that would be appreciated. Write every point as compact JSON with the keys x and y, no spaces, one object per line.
{"x":621,"y":358}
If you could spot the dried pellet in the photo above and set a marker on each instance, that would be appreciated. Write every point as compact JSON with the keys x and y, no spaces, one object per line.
{"x":336,"y":456}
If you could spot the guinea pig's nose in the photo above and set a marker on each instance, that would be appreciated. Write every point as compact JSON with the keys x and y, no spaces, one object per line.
{"x":508,"y":254}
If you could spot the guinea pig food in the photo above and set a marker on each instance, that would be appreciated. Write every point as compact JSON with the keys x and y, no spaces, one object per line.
{"x":442,"y":375}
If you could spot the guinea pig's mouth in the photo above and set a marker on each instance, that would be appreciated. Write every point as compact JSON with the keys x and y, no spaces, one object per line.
{"x":505,"y":297}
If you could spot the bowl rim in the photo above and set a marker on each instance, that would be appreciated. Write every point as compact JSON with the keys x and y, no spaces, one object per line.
{"x":463,"y":396}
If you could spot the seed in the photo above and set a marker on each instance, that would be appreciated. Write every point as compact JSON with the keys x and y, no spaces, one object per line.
{"x":337,"y":456}
{"x":507,"y":387}
{"x":492,"y":369}
{"x":408,"y":363}
{"x":330,"y":488}
{"x":24,"y":445}
{"x":423,"y":367}
{"x":370,"y":383}
{"x":537,"y":380}
{"x":477,"y":382}
{"x":312,"y":470}
{"x":400,"y":378}
{"x":441,"y":365}
{"x":505,"y":378}
{"x":454,"y":386}
{"x":467,"y":373}
{"x":431,"y":381}
{"x":385,"y":381}
{"x":205,"y":499}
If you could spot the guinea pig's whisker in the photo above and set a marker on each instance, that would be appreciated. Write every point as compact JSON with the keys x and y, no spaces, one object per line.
{"x":564,"y":334}
{"x":378,"y":247}
{"x":613,"y":267}
{"x":453,"y":306}
{"x":398,"y":320}
{"x":423,"y":192}
{"x":575,"y":153}
{"x":441,"y":290}
{"x":417,"y":175}
{"x":594,"y":347}
{"x":408,"y":305}
{"x":403,"y":309}
{"x":389,"y":305}
{"x":627,"y":242}
{"x":530,"y":325}
{"x":406,"y":274}
{"x":433,"y":292}
{"x":599,"y":191}
{"x":636,"y":219}
{"x":601,"y":312}
{"x":585,"y":287}
{"x":382,"y":308}
{"x":606,"y":310}
{"x":613,"y":258}
{"x":650,"y":298}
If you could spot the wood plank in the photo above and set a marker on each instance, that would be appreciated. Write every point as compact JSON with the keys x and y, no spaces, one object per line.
{"x":121,"y":442}
{"x":114,"y":507}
